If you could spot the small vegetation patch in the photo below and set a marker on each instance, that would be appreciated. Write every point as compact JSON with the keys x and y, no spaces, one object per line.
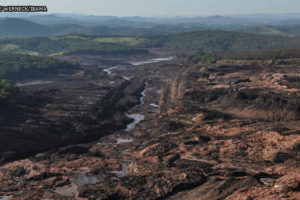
{"x":7,"y":88}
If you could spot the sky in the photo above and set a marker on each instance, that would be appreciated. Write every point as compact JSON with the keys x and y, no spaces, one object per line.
{"x":163,"y":7}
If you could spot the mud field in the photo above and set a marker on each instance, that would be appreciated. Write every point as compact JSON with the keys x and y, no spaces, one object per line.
{"x":154,"y":128}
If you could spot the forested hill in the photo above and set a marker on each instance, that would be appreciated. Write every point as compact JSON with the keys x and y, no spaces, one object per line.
{"x":69,"y":44}
{"x":229,"y":41}
{"x":17,"y":67}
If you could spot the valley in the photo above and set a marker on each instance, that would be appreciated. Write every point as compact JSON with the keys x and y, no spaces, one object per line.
{"x":154,"y":127}
{"x":149,"y":108}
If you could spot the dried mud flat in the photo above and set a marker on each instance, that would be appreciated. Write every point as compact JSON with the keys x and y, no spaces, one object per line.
{"x":176,"y":132}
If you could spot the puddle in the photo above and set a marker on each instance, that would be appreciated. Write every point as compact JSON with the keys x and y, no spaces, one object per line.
{"x":126,"y":78}
{"x":79,"y":179}
{"x":30,"y":83}
{"x":267,"y":181}
{"x":108,"y":70}
{"x":120,"y":140}
{"x":121,"y":172}
{"x":153,"y":105}
{"x":155,"y":60}
{"x":125,"y":151}
{"x":277,"y":186}
{"x":82,"y":180}
{"x":69,"y":191}
{"x":137,"y":119}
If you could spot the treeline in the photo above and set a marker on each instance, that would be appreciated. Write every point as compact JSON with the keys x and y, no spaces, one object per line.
{"x":273,"y":54}
{"x":14,"y":66}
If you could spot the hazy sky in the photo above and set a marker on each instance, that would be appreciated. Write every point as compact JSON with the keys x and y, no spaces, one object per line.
{"x":164,"y":7}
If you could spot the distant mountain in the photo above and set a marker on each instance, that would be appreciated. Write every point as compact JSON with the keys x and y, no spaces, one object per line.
{"x":87,"y":20}
{"x":15,"y":27}
{"x":216,"y":21}
{"x":62,"y":24}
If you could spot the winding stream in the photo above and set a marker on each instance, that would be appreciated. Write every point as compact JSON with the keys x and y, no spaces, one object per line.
{"x":143,"y":93}
{"x":153,"y":105}
{"x":108,"y":70}
{"x":137,"y":119}
{"x":154,"y":60}
{"x":137,"y":63}
{"x":121,"y":141}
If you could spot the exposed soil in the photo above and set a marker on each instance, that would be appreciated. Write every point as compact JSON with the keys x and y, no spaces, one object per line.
{"x":199,"y":132}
